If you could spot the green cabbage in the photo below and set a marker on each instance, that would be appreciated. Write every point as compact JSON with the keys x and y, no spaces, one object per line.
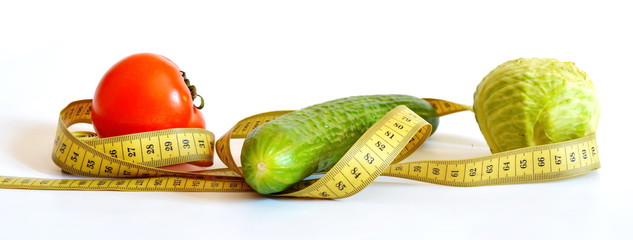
{"x":528,"y":102}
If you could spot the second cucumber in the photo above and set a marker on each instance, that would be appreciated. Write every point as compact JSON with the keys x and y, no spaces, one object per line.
{"x":288,"y":149}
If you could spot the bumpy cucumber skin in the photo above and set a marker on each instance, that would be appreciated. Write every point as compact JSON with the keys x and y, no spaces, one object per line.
{"x":292,"y":147}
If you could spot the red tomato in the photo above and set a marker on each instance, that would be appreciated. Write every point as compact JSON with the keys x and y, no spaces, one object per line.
{"x":143,"y":92}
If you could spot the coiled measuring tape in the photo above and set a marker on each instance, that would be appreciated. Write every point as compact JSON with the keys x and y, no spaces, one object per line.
{"x":132,"y":162}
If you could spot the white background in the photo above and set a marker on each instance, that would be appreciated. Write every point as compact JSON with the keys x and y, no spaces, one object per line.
{"x":248,"y":57}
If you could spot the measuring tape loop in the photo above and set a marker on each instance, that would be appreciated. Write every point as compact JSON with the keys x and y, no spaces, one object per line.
{"x":372,"y":153}
{"x":132,"y":162}
{"x":134,"y":155}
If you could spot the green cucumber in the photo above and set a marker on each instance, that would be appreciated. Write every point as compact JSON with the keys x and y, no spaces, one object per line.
{"x":288,"y":149}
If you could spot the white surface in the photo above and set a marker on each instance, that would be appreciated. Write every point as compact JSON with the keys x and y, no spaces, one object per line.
{"x":255,"y":56}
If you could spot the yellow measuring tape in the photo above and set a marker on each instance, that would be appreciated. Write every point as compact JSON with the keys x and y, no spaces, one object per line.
{"x":132,"y":162}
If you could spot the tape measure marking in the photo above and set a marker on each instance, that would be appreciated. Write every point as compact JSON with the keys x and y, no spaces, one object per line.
{"x":155,"y":184}
{"x":534,"y":164}
{"x":128,"y":163}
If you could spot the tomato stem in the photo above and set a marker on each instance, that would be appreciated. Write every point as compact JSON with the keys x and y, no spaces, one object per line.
{"x":193,"y":90}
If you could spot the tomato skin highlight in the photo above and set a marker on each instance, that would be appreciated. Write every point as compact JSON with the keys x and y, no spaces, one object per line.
{"x":143,"y":92}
